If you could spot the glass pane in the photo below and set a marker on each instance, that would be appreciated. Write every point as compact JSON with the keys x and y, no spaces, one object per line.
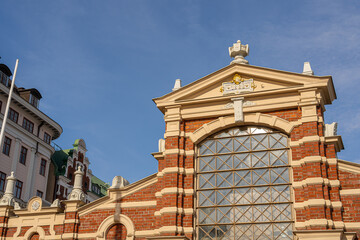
{"x":244,"y":231}
{"x":224,"y":162}
{"x":207,"y":164}
{"x":260,"y":177}
{"x":207,"y":232}
{"x":225,"y":215}
{"x":243,"y":214}
{"x":224,"y":179}
{"x":242,"y":160}
{"x":207,"y":180}
{"x":224,"y":197}
{"x":207,"y":215}
{"x":207,"y":148}
{"x":242,"y":178}
{"x":206,"y":198}
{"x":225,"y":232}
{"x":259,"y":142}
{"x":260,"y":159}
{"x":262,"y":195}
{"x":224,"y":145}
{"x":242,"y":144}
{"x":242,"y":196}
{"x":279,"y":175}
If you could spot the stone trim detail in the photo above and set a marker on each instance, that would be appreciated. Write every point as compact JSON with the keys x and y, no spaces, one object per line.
{"x":182,"y":211}
{"x":179,"y":151}
{"x":316,"y":180}
{"x":315,"y":223}
{"x":317,"y":203}
{"x":349,"y":166}
{"x":140,"y":204}
{"x":110,"y":221}
{"x":249,"y":118}
{"x":185,"y":171}
{"x":307,"y":139}
{"x":352,"y":225}
{"x":309,"y":159}
{"x":348,"y":192}
{"x":175,"y":190}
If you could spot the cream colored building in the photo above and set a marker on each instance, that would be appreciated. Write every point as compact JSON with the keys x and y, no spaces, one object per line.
{"x":27,"y":143}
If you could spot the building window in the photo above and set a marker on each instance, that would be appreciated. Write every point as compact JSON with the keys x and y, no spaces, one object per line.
{"x":18,"y":189}
{"x":28,"y":125}
{"x":39,"y":193}
{"x":42,"y":167}
{"x":47,"y":138}
{"x":2,"y":181}
{"x":13,"y":115}
{"x":243,"y":185}
{"x":23,"y":154}
{"x":0,"y":105}
{"x":34,"y":101}
{"x":4,"y":79}
{"x":7,"y":145}
{"x":96,"y":189}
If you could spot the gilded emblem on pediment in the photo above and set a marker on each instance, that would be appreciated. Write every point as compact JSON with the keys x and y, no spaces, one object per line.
{"x":238,"y":85}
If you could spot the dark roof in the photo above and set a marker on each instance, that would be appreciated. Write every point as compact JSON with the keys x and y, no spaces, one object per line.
{"x":33,"y":91}
{"x":59,"y":158}
{"x":5,"y":69}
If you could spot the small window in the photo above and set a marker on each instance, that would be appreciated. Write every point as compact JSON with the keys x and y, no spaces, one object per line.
{"x":23,"y":154}
{"x":2,"y":181}
{"x":28,"y":125}
{"x":42,"y":167}
{"x":4,"y":79}
{"x":39,"y":193}
{"x":13,"y":115}
{"x":70,"y":176}
{"x":34,"y":101}
{"x":7,"y":145}
{"x":47,"y":138}
{"x":18,"y":188}
{"x":0,"y":105}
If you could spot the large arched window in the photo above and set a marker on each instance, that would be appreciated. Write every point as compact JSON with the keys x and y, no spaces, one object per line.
{"x":243,"y":185}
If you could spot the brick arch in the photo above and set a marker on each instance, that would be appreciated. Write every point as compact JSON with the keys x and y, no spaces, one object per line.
{"x":35,"y":236}
{"x":116,"y":232}
{"x":107,"y":227}
{"x":249,"y":119}
{"x":35,"y":233}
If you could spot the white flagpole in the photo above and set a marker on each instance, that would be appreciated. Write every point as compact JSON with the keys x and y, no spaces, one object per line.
{"x":8,"y":106}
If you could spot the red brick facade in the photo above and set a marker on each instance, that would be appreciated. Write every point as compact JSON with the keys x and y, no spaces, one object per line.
{"x":326,"y":191}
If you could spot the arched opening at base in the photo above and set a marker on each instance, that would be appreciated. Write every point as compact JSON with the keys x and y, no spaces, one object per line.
{"x":35,"y":236}
{"x":116,"y":232}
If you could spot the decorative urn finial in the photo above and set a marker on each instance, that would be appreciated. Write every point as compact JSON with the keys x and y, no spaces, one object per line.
{"x":239,"y":51}
{"x":8,"y":197}
{"x":77,"y":192}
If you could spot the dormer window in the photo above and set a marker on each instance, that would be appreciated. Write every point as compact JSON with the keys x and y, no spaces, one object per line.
{"x":34,"y":101}
{"x":31,"y":95}
{"x":4,"y":79}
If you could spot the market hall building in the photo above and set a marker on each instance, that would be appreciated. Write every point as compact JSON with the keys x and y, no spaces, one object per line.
{"x":246,"y":155}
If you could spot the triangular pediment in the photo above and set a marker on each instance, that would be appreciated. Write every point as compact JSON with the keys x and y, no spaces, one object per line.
{"x":264,"y":80}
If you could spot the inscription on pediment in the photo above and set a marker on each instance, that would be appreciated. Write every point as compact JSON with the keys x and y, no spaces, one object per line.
{"x":238,"y":85}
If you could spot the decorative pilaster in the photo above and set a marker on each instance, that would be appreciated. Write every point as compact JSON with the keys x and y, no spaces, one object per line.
{"x":30,"y":176}
{"x":16,"y":154}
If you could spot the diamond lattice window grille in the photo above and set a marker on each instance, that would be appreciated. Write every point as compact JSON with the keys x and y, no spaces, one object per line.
{"x":243,"y":185}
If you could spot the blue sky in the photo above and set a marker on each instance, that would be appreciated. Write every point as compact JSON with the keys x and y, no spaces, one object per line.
{"x":98,"y":64}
